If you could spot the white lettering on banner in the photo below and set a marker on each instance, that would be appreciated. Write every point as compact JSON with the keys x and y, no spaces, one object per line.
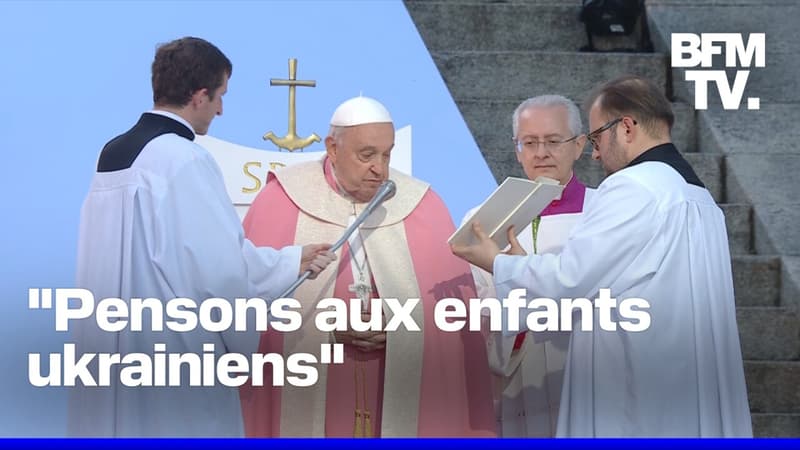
{"x":218,"y":315}
{"x":543,"y":314}
{"x":167,"y":369}
{"x":698,"y":50}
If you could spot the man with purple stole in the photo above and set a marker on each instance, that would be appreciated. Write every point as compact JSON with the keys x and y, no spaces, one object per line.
{"x":548,"y":140}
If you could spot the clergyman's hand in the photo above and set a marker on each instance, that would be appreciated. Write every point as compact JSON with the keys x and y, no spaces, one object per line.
{"x":515,"y":248}
{"x":365,"y":341}
{"x":316,"y":257}
{"x":480,"y":254}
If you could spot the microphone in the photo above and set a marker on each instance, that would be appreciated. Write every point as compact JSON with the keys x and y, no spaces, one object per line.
{"x":386,"y":191}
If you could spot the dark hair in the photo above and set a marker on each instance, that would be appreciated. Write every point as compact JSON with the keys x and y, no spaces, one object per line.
{"x":184,"y":66}
{"x":637,"y":97}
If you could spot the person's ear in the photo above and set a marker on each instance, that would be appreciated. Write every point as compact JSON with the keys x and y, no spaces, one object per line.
{"x":629,"y":124}
{"x":330,"y":147}
{"x":580,"y":143}
{"x":199,"y":97}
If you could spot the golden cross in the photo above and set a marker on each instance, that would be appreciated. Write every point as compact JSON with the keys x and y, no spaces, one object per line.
{"x":291,"y":141}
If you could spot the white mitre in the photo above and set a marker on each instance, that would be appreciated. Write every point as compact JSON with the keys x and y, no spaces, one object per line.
{"x":360,"y":111}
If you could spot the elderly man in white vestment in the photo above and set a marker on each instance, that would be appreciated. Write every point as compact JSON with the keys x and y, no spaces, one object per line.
{"x":548,"y":139}
{"x":398,"y":383}
{"x":158,"y":223}
{"x":652,"y":232}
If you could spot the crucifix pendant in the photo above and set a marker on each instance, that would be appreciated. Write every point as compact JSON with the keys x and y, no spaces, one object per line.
{"x":362,"y":291}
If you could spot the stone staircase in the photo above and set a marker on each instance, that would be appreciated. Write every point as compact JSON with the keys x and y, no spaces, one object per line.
{"x":494,"y":54}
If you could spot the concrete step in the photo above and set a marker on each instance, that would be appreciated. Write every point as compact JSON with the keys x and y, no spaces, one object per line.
{"x":769,"y":333}
{"x":708,"y":167}
{"x":516,"y":75}
{"x":739,"y":222}
{"x":498,"y":26}
{"x":776,"y":425}
{"x":730,"y":132}
{"x":773,"y":386}
{"x":765,"y":180}
{"x":684,"y":131}
{"x":773,"y":83}
{"x":508,"y":25}
{"x":756,"y":280}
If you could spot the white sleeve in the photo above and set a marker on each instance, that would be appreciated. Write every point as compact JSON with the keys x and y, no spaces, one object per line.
{"x":202,"y":252}
{"x":484,"y":284}
{"x":621,"y":221}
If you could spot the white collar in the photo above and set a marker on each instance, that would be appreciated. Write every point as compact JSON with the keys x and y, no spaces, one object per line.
{"x":173,"y":116}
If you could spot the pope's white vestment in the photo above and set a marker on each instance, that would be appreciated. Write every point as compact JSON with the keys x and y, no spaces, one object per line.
{"x":161,"y":225}
{"x":646,"y":234}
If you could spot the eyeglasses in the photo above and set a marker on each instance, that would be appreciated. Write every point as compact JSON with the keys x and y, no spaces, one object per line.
{"x":532,"y":145}
{"x":592,"y":137}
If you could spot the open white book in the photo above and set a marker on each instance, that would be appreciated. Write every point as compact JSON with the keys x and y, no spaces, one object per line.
{"x":517,"y":201}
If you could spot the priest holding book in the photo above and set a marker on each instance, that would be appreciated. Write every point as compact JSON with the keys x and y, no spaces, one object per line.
{"x":403,"y":383}
{"x":651,"y":232}
{"x":548,"y":139}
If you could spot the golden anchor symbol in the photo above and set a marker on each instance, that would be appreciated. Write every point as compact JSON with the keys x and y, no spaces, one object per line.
{"x":291,"y":141}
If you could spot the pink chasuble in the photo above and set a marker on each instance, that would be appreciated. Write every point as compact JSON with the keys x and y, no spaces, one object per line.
{"x":455,"y":387}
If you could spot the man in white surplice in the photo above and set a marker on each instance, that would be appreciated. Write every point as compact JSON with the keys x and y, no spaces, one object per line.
{"x":652,"y":231}
{"x":548,"y":139}
{"x":158,"y":223}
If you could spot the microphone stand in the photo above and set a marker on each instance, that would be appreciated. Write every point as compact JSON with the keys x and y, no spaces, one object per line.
{"x":386,"y":191}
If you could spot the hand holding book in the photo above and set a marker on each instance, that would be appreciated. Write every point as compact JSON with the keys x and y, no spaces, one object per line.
{"x":498,"y":220}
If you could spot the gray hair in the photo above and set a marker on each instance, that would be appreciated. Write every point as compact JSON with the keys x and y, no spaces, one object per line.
{"x":546,"y":101}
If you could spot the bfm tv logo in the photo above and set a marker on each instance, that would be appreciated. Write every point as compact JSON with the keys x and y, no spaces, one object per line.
{"x":692,"y":50}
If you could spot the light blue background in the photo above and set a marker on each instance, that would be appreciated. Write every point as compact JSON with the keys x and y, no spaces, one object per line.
{"x":75,"y":74}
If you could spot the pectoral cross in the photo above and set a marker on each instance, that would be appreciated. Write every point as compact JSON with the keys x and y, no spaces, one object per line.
{"x":362,"y":291}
